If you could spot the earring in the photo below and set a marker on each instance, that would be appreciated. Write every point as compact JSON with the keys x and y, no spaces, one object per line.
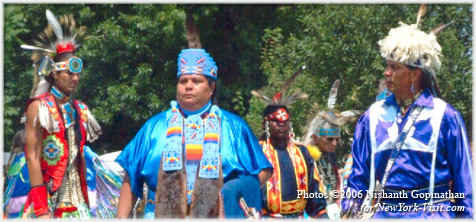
{"x":266,"y":129}
{"x":291,"y":131}
{"x":413,"y":87}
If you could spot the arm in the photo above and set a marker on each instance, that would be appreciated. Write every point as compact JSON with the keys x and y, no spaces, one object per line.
{"x":132,"y":160}
{"x":460,"y":162}
{"x":359,"y":177}
{"x":127,"y":199}
{"x":34,"y":139}
{"x":264,"y":176}
{"x":255,"y":152}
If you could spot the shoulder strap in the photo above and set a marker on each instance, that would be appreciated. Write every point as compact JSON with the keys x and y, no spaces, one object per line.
{"x":402,"y":136}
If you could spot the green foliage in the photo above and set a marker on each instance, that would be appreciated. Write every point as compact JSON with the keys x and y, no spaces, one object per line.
{"x":131,"y":49}
{"x":340,"y":42}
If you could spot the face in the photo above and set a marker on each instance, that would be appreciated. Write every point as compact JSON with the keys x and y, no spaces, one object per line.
{"x":326,"y":144}
{"x":278,"y":129}
{"x":194,"y":92}
{"x":398,"y":78}
{"x":66,"y":81}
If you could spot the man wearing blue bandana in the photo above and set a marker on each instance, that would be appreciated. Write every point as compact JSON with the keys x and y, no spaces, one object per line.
{"x":187,"y":153}
{"x":322,"y":139}
{"x":410,"y":149}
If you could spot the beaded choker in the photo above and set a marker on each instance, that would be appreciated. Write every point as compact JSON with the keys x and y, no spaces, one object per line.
{"x":65,"y":104}
{"x":62,"y":98}
{"x":404,"y":103}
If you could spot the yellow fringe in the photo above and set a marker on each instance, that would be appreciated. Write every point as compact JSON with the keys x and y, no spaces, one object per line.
{"x":315,"y":152}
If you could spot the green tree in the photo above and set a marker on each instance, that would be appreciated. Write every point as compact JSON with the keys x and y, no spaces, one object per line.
{"x":131,"y":50}
{"x":130,"y":59}
{"x":340,"y":42}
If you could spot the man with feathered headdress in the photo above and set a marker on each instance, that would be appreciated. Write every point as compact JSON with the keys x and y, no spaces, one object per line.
{"x":286,"y":194}
{"x":411,"y":148}
{"x":322,"y":137}
{"x":57,"y":126}
{"x":197,"y":160}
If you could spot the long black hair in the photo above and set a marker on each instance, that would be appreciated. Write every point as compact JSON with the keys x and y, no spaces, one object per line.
{"x":427,"y":81}
{"x":214,"y":96}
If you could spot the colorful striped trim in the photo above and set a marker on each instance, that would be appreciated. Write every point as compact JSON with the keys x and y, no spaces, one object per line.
{"x":274,"y":187}
{"x":174,"y":131}
{"x":211,"y":138}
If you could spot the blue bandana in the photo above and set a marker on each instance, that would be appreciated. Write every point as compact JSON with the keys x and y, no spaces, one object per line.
{"x":196,"y":61}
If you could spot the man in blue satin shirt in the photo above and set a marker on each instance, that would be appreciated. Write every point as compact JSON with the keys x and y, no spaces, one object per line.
{"x":431,"y":174}
{"x":194,"y":137}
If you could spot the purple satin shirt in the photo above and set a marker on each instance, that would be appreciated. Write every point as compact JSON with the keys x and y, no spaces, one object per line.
{"x":412,"y":168}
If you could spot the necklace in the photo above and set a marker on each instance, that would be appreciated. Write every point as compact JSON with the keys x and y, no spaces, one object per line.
{"x":405,"y":103}
{"x":65,"y":102}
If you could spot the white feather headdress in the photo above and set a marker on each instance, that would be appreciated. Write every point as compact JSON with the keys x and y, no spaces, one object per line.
{"x":409,"y":45}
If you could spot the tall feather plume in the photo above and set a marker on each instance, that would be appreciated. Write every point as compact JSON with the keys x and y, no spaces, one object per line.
{"x":314,"y":117}
{"x":279,"y":99}
{"x":317,"y":116}
{"x":351,"y":113}
{"x":63,"y":31}
{"x":46,"y":40}
{"x":421,"y":12}
{"x":54,"y":24}
{"x":314,"y":111}
{"x":290,"y":80}
{"x":262,"y":96}
{"x":70,"y":32}
{"x":440,"y":27}
{"x":193,"y":36}
{"x":286,"y":101}
{"x":271,"y":97}
{"x":333,"y":95}
{"x":30,"y":47}
{"x":45,"y":45}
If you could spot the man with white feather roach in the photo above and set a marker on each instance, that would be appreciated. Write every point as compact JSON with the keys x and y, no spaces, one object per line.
{"x":411,"y":152}
{"x":57,"y":126}
{"x":322,"y":138}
